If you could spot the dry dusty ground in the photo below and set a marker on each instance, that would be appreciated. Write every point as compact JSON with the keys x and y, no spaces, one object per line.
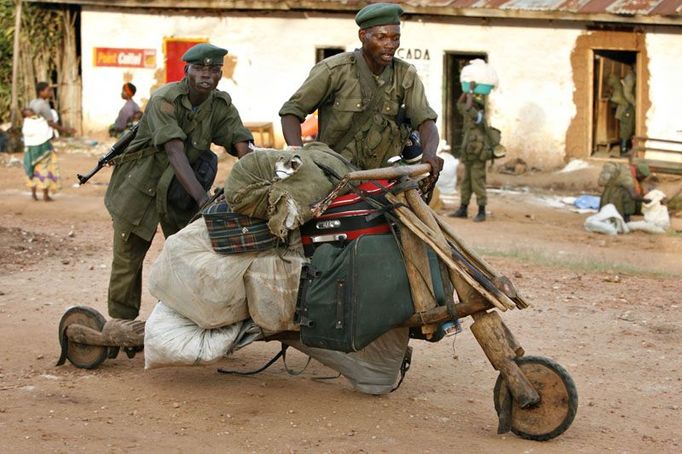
{"x":608,"y":309}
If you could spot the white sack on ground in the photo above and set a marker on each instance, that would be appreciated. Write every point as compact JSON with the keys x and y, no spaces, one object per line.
{"x":608,"y":221}
{"x":173,"y":340}
{"x":272,"y":283}
{"x":206,"y":287}
{"x":374,"y":369}
{"x":656,"y":216}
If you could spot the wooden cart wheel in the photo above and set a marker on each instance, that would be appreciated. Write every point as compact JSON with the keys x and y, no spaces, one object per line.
{"x":558,"y":400}
{"x":82,"y":355}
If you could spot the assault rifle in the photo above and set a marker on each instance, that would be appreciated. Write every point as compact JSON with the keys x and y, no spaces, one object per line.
{"x":116,"y":150}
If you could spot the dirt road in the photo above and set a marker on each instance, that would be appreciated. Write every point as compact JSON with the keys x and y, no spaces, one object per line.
{"x":608,"y":309}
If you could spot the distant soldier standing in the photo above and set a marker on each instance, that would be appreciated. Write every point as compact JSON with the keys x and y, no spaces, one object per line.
{"x":366,"y":98}
{"x":478,"y":146}
{"x":181,"y":121}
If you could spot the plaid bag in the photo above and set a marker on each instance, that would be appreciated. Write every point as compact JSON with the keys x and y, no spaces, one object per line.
{"x":232,"y":233}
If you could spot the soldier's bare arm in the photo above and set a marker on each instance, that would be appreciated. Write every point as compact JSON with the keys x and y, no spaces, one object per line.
{"x":291,"y":128}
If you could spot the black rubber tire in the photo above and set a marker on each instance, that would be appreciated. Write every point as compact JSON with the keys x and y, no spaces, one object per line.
{"x":81,"y":355}
{"x":536,"y":369}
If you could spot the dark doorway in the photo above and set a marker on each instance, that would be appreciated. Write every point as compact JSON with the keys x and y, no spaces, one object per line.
{"x":453,"y":64}
{"x":614,"y":95}
{"x":325,"y":52}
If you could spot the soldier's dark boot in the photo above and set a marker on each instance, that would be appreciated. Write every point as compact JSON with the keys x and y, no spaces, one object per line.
{"x":480,"y":217}
{"x":624,"y":147}
{"x":461,"y":212}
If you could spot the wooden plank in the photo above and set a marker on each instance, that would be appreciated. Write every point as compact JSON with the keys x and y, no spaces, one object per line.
{"x":644,"y":139}
{"x":412,"y":222}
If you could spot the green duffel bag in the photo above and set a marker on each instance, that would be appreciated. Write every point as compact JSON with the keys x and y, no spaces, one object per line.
{"x":352,"y":295}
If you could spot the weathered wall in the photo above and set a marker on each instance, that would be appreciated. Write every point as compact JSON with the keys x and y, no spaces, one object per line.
{"x":664,"y":117}
{"x":537,"y":106}
{"x":579,"y":133}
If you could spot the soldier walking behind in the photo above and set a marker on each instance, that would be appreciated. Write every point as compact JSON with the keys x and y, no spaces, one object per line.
{"x":154,"y":180}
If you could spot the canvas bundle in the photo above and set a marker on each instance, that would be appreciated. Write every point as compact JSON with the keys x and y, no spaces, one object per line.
{"x":280,"y":186}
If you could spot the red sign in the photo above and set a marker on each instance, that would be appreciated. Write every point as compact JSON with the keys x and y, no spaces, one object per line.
{"x":127,"y":58}
{"x":174,"y":49}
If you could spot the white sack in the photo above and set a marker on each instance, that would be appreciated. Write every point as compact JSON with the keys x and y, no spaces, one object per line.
{"x":608,"y":220}
{"x":36,"y":131}
{"x":447,"y":181}
{"x":373,"y":370}
{"x":656,"y":216}
{"x":272,"y":283}
{"x":206,"y":287}
{"x":480,"y":72}
{"x":173,"y":340}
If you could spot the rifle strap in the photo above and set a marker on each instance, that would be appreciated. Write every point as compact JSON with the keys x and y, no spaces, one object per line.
{"x":134,"y":156}
{"x":369,"y":90}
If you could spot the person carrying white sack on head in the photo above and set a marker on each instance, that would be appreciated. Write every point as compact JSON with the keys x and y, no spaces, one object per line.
{"x":480,"y":142}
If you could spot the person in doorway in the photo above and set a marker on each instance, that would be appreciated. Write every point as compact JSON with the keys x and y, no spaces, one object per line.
{"x":40,"y":160}
{"x":128,"y":113}
{"x":623,"y":188}
{"x":622,"y":95}
{"x":175,"y":133}
{"x":478,"y":147}
{"x":363,"y":98}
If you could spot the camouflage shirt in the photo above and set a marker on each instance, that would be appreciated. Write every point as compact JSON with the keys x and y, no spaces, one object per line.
{"x":341,"y":87}
{"x":136,"y":196}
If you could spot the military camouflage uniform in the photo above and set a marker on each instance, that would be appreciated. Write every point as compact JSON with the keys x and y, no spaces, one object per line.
{"x":619,"y":185}
{"x":136,"y":196}
{"x":477,"y":148}
{"x":341,"y":87}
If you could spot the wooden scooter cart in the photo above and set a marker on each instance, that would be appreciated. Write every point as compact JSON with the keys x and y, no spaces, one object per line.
{"x":534,"y":396}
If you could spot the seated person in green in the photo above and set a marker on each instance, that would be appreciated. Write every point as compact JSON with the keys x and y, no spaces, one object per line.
{"x":622,"y":187}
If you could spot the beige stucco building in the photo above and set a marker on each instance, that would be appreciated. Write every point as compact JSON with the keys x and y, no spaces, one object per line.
{"x":552,"y":58}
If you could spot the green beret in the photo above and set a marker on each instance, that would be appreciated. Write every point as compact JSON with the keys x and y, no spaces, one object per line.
{"x":643,"y":169}
{"x":379,"y":14}
{"x":204,"y":54}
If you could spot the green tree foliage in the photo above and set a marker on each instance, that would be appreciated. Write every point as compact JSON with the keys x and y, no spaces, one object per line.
{"x":42,"y":31}
{"x":7,"y":9}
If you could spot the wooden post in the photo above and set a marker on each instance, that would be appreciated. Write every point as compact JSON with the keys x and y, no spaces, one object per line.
{"x":500,"y":281}
{"x":492,"y":337}
{"x":425,"y":214}
{"x":15,"y":64}
{"x":441,"y":314}
{"x":116,"y":333}
{"x":388,"y":173}
{"x":410,"y":220}
{"x":419,"y":275}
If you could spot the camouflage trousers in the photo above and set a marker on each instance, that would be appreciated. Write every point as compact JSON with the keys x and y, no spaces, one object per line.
{"x":473,"y":182}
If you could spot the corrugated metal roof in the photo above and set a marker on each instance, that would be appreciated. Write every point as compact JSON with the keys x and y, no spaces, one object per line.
{"x":667,"y":12}
{"x":619,"y":7}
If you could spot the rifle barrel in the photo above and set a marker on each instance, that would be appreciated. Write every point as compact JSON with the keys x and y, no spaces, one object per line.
{"x":115,"y":150}
{"x":82,"y":179}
